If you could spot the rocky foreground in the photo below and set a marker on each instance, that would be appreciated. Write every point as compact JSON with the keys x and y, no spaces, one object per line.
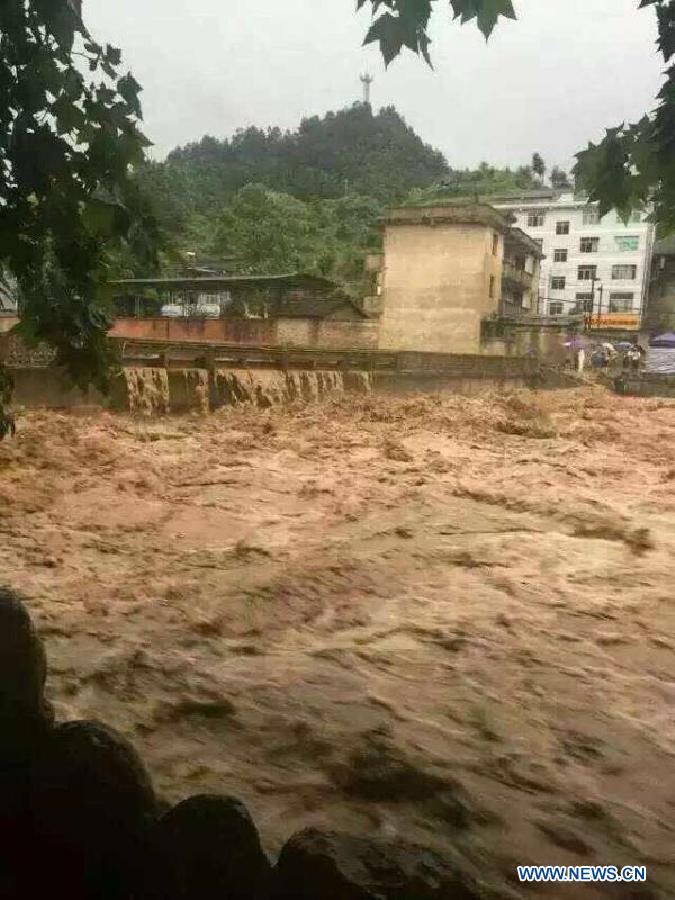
{"x":80,"y":819}
{"x":444,"y":622}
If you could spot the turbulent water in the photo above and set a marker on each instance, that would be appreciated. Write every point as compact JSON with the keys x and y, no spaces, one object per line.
{"x":445,"y":618}
{"x":154,"y":391}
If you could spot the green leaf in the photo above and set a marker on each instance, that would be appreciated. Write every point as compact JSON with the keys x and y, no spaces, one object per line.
{"x":61,"y":21}
{"x":68,"y":116}
{"x":129,"y":89}
{"x":486,"y":12}
{"x":104,"y":218}
{"x":113,"y":55}
{"x":393,"y":33}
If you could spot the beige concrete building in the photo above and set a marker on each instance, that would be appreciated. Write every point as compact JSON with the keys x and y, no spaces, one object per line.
{"x":443,"y":275}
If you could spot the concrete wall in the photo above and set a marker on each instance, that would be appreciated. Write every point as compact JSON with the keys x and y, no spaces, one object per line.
{"x":416,"y":383}
{"x":358,"y":334}
{"x":523,"y":341}
{"x":436,"y":286}
{"x":225,"y":331}
{"x":7,"y":322}
{"x":14,"y":352}
{"x":44,"y":387}
{"x":155,"y":390}
{"x":462,"y":374}
{"x":647,"y":385}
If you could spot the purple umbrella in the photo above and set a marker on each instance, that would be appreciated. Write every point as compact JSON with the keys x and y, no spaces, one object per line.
{"x":576,"y":343}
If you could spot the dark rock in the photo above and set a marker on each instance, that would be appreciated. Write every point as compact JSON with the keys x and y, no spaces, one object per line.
{"x":25,"y":719}
{"x":23,"y":667}
{"x":380,"y":772}
{"x":208,"y":847}
{"x":316,"y":865}
{"x":92,"y":801}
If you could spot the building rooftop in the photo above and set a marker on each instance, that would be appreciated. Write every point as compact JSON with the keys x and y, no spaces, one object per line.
{"x":291,"y":280}
{"x":440,"y":213}
{"x":544,"y":197}
{"x":538,"y":194}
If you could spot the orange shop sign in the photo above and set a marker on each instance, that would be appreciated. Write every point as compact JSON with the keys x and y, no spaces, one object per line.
{"x":613,"y":320}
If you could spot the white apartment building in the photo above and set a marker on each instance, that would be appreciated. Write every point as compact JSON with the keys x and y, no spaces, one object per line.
{"x":592,"y":264}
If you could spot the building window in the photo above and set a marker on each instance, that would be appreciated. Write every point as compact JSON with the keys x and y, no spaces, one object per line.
{"x":587,"y":273}
{"x":492,"y":286}
{"x":495,"y":243}
{"x":555,"y":308}
{"x":591,"y":217}
{"x":627,"y":242}
{"x":560,"y":256}
{"x":562,"y":228}
{"x":589,"y":245}
{"x":584,"y":302}
{"x":535,"y":220}
{"x":557,"y":283}
{"x":624,"y":273}
{"x":621,"y":301}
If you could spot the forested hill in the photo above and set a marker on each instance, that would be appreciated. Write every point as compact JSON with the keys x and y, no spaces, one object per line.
{"x":307,"y":199}
{"x":352,"y":151}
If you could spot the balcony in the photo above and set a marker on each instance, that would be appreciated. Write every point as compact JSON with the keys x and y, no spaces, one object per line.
{"x":516,"y":277}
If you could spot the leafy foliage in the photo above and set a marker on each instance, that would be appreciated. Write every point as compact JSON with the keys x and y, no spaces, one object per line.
{"x":538,"y":166}
{"x":272,"y":232}
{"x":559,"y":178}
{"x":67,"y":145}
{"x":484,"y":181}
{"x":403,"y":23}
{"x":404,"y":26}
{"x":349,"y":151}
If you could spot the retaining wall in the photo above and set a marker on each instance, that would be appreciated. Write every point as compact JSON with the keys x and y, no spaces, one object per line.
{"x":273,"y":332}
{"x":646,"y":385}
{"x":152,"y":389}
{"x":156,"y":391}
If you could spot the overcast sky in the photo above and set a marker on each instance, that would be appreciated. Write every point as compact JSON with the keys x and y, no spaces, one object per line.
{"x":548,"y":82}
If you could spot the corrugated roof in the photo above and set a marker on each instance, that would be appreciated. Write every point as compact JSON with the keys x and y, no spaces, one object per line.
{"x":289,"y":279}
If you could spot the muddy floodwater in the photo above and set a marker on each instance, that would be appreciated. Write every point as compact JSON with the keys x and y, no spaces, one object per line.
{"x":448,"y":619}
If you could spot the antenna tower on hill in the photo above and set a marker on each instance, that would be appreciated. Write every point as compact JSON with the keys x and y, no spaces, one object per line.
{"x":366,"y":81}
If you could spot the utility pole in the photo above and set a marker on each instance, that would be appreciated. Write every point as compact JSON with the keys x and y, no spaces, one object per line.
{"x":366,"y":81}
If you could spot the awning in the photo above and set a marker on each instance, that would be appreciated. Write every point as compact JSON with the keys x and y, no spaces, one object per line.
{"x":664,"y":340}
